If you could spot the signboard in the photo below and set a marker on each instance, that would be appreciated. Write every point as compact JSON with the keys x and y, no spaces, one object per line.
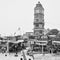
{"x":41,"y":43}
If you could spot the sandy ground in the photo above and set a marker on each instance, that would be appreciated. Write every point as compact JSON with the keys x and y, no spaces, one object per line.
{"x":36,"y":57}
{"x":46,"y":57}
{"x":13,"y":57}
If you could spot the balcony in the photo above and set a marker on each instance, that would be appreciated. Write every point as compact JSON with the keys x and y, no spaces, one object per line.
{"x":38,"y":21}
{"x":38,"y":27}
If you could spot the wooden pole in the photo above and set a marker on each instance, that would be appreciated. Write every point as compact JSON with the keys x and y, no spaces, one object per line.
{"x":24,"y":56}
{"x":42,"y":49}
{"x":7,"y":46}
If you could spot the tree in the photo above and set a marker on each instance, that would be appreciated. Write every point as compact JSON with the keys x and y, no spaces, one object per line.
{"x":53,"y":32}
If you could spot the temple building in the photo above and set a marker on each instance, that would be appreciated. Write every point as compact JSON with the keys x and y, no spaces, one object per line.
{"x":38,"y":20}
{"x":41,"y":40}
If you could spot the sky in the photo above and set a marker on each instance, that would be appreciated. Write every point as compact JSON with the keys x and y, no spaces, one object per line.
{"x":16,"y":14}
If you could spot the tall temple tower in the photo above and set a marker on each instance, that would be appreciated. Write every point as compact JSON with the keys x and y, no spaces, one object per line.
{"x":38,"y":20}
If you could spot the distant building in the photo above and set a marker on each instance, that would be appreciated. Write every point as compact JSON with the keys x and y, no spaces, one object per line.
{"x":27,"y":35}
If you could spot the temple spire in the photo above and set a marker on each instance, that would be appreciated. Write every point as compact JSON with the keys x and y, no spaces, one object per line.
{"x":38,"y":2}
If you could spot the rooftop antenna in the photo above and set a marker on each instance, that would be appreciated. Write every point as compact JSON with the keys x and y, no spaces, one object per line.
{"x":14,"y":33}
{"x":19,"y":31}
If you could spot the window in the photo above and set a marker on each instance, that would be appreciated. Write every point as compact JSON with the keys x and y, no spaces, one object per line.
{"x":37,"y":20}
{"x":40,"y":25}
{"x":37,"y":25}
{"x":37,"y":33}
{"x":40,"y":31}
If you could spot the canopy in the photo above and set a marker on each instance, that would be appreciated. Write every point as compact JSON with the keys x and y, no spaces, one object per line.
{"x":3,"y":40}
{"x":16,"y":41}
{"x":56,"y":42}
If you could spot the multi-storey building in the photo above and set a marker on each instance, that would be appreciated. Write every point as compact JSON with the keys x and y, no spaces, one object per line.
{"x":38,"y":20}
